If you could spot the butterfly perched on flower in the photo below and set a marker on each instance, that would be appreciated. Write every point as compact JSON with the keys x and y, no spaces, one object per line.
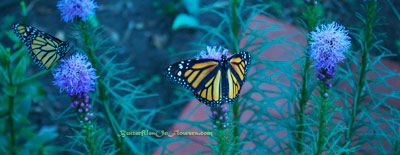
{"x":44,"y":48}
{"x":213,"y":77}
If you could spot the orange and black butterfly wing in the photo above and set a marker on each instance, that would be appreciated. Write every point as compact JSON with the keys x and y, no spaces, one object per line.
{"x":24,"y":32}
{"x":239,"y":65}
{"x":44,"y":48}
{"x":201,"y":76}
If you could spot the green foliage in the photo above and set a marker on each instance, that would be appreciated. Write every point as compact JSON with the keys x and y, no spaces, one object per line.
{"x":169,"y":8}
{"x":184,"y":20}
{"x":273,"y":123}
{"x":222,"y":141}
{"x":192,"y":6}
{"x":366,"y":107}
{"x":280,"y":104}
{"x":19,"y":90}
{"x":398,"y":45}
{"x":117,"y":93}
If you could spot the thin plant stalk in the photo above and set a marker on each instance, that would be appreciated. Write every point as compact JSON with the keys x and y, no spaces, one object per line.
{"x":101,"y":87}
{"x":89,"y":138}
{"x":88,"y":128}
{"x":322,"y":119}
{"x":371,"y":7}
{"x":396,"y":148}
{"x":235,"y":107}
{"x":219,"y":118}
{"x":11,"y":122}
{"x":327,"y":47}
{"x":10,"y":110}
{"x":304,"y":91}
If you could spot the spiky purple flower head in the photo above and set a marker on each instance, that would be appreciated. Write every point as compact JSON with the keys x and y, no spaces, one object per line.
{"x":327,"y":45}
{"x":219,"y":116}
{"x":213,"y":53}
{"x":76,"y":8}
{"x":75,"y":75}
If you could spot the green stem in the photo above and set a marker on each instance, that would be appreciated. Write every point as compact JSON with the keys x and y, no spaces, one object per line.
{"x":303,"y":102}
{"x":101,"y":86}
{"x":222,"y":141}
{"x":322,"y":119}
{"x":235,"y":111}
{"x":304,"y":92}
{"x":235,"y":108}
{"x":396,"y":148}
{"x":89,"y":137}
{"x":11,"y":110}
{"x":371,"y":13}
{"x":11,"y":122}
{"x":235,"y":30}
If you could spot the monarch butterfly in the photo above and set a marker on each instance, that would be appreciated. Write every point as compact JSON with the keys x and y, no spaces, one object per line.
{"x":212,"y":81}
{"x":44,"y":48}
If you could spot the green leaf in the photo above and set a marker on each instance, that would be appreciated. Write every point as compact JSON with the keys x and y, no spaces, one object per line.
{"x":4,"y":79}
{"x":93,"y":21}
{"x":3,"y":111}
{"x":45,"y":134}
{"x":192,"y":6}
{"x":23,"y":103}
{"x":4,"y":55}
{"x":23,"y":8}
{"x":33,"y":89}
{"x":21,"y":119}
{"x":10,"y":90}
{"x":22,"y":151}
{"x":184,"y":20}
{"x":34,"y":76}
{"x":19,"y":71}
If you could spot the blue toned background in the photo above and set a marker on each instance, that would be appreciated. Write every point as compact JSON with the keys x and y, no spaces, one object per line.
{"x":148,"y":36}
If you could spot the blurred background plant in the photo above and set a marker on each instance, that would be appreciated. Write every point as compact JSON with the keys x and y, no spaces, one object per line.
{"x":149,"y":35}
{"x":20,"y":89}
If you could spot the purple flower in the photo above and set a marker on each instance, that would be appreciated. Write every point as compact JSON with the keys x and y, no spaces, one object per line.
{"x":76,"y":8}
{"x":327,"y":45}
{"x":315,"y":2}
{"x":83,"y":108}
{"x":219,"y":117}
{"x":213,"y":53}
{"x":75,"y":75}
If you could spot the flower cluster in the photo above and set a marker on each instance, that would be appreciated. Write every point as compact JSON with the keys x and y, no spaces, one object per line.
{"x":219,"y":117}
{"x":327,"y":46}
{"x":77,"y":77}
{"x":315,"y":2}
{"x":324,"y":76}
{"x":82,"y":106}
{"x":213,"y":53}
{"x":328,"y":43}
{"x":76,"y":8}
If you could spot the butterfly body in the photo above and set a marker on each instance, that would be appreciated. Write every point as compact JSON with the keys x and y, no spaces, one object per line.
{"x":44,"y":49}
{"x":212,"y":81}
